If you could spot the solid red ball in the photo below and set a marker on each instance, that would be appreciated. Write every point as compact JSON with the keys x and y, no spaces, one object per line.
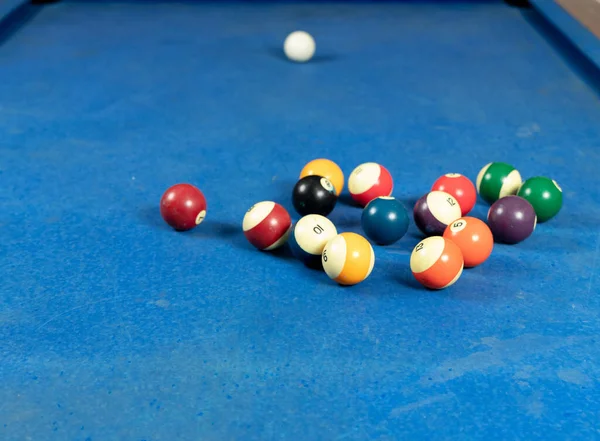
{"x":183,"y":207}
{"x":460,"y":187}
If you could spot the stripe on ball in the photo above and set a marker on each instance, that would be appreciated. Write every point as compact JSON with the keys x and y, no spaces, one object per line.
{"x":312,"y":232}
{"x":497,"y":180}
{"x":368,"y":181}
{"x":267,"y":225}
{"x":443,"y":206}
{"x":434,"y":211}
{"x":426,"y":254}
{"x":348,"y":258}
{"x":256,"y":214}
{"x":364,"y":177}
{"x":436,"y":262}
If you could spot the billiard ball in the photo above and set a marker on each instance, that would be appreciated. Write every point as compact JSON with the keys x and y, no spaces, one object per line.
{"x":544,"y":194}
{"x":326,"y":168}
{"x":473,"y":237}
{"x":314,"y":195}
{"x":460,"y":187}
{"x":299,"y":46}
{"x":368,"y":181}
{"x":309,"y":237}
{"x":496,"y":180}
{"x":348,"y":258}
{"x":183,"y":207}
{"x":267,"y":225}
{"x":512,"y":219}
{"x":385,"y":220}
{"x":436,"y":262}
{"x":434,"y":211}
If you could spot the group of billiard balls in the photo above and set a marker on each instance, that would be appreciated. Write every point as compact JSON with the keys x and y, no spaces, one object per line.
{"x":346,"y":257}
{"x":456,"y":241}
{"x":453,"y":239}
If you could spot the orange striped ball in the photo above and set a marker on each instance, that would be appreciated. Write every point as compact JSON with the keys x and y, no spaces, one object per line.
{"x":436,"y":262}
{"x":348,"y":258}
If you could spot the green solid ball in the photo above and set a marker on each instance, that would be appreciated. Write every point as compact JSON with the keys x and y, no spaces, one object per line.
{"x":497,"y":180}
{"x":544,"y":194}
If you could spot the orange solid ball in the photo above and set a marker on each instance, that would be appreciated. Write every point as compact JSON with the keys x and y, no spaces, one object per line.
{"x":473,"y":237}
{"x":327,"y":169}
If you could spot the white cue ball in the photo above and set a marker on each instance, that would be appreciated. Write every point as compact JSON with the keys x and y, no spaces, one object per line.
{"x":299,"y":46}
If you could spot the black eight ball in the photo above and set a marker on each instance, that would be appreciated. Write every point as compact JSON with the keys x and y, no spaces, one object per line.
{"x":314,"y":195}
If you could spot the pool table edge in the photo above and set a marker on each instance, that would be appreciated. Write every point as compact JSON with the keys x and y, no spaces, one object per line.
{"x":8,"y":6}
{"x":567,"y":16}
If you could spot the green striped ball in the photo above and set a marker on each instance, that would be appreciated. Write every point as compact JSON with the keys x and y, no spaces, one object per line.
{"x":496,"y":180}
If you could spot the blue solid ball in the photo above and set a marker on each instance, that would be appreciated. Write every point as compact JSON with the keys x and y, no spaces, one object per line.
{"x":385,"y":220}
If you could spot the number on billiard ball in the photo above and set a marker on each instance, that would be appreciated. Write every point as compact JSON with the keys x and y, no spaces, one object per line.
{"x":473,"y":237}
{"x":326,"y":168}
{"x":434,"y":211}
{"x":183,"y":207}
{"x":436,"y":262}
{"x":348,"y":258}
{"x":314,"y":195}
{"x":309,"y":237}
{"x":460,"y":188}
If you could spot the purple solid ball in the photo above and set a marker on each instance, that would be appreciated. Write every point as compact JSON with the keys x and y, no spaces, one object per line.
{"x":512,"y":219}
{"x":425,"y":220}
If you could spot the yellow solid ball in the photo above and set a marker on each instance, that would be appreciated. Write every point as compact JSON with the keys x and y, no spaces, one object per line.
{"x":328,"y":169}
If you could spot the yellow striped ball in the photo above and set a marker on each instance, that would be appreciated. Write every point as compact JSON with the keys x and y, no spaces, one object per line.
{"x":348,"y":258}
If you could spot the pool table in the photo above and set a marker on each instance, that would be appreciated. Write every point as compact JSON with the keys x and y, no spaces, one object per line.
{"x":113,"y":326}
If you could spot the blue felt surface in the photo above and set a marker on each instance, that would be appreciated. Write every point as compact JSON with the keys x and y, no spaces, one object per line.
{"x":585,"y":40}
{"x":115,"y":327}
